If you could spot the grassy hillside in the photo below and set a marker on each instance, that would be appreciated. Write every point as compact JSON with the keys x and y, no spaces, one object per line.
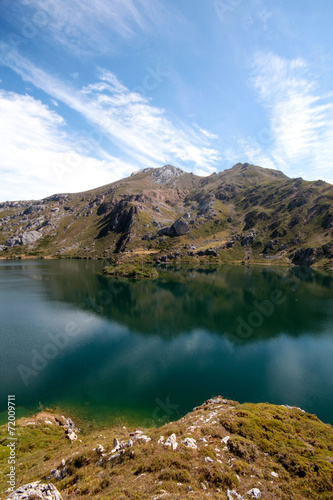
{"x":244,"y":214}
{"x":223,"y":450}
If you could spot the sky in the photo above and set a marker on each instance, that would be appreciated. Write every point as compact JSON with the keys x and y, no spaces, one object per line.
{"x":91,"y":91}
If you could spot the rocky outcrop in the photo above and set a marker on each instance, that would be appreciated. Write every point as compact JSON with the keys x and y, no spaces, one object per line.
{"x":304,"y":257}
{"x":249,"y":238}
{"x":120,"y":219}
{"x":208,"y":252}
{"x":165,"y":174}
{"x":328,"y":221}
{"x":253,"y":217}
{"x":26,"y":238}
{"x":226,"y":192}
{"x":35,"y":491}
{"x":221,"y":449}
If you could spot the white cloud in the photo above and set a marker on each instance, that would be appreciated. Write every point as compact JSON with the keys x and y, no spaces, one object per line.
{"x":299,"y":139}
{"x":87,"y":27}
{"x":35,"y":160}
{"x":144,"y":134}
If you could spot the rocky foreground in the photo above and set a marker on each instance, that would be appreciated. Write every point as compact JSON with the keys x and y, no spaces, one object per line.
{"x":220,"y":450}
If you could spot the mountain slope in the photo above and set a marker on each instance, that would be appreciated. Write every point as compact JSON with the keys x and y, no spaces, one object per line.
{"x":246,"y":213}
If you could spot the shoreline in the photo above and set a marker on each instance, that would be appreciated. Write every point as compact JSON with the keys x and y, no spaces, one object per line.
{"x":194,"y":263}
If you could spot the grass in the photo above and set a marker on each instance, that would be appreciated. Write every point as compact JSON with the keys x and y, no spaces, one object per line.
{"x":263,"y":439}
{"x":132,"y":271}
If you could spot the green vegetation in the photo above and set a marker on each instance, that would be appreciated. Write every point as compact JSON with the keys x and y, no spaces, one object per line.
{"x":131,"y":271}
{"x":286,"y":453}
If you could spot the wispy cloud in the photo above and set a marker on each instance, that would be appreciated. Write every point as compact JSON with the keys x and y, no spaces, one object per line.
{"x":35,"y":151}
{"x":299,"y":138}
{"x":88,"y":27}
{"x":140,"y":130}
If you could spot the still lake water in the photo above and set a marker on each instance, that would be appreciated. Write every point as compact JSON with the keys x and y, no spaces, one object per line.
{"x":101,"y":348}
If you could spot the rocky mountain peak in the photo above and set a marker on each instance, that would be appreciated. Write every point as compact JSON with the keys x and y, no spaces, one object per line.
{"x":165,"y":174}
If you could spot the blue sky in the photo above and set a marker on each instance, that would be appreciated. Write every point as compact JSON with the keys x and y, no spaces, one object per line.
{"x":91,"y":91}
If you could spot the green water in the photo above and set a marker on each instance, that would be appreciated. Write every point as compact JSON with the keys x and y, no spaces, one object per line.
{"x":152,"y":350}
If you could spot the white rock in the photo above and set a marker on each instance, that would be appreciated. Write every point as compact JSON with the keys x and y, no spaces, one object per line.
{"x":160,"y":441}
{"x":144,"y":438}
{"x":274,"y":474}
{"x":225,"y":439}
{"x":100,"y":449}
{"x":115,"y":444}
{"x":136,"y":433}
{"x":190,"y":443}
{"x":172,"y":442}
{"x":130,"y":443}
{"x":254,"y":493}
{"x":208,"y":459}
{"x":233,"y":495}
{"x":71,"y":435}
{"x":191,"y":428}
{"x":36,"y":490}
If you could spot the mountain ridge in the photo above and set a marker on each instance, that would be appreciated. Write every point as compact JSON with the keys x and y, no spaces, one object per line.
{"x":243,"y":214}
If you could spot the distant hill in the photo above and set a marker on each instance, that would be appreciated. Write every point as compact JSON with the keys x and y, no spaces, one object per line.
{"x":244,"y":214}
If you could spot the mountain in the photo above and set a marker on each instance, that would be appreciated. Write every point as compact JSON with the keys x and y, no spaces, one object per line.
{"x":244,"y":214}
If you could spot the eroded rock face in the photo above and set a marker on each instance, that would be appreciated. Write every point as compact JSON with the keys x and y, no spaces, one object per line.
{"x":328,"y":221}
{"x":36,"y":490}
{"x":26,"y":238}
{"x":304,"y":257}
{"x":120,"y":219}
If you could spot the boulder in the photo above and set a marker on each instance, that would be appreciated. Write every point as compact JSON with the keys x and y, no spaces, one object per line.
{"x":171,"y":442}
{"x":178,"y":228}
{"x":190,"y":443}
{"x":181,"y":227}
{"x":165,"y":231}
{"x":36,"y":490}
{"x":254,"y":493}
{"x":233,"y":495}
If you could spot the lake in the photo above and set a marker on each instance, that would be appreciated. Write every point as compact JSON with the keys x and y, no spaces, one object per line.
{"x":149,"y":351}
